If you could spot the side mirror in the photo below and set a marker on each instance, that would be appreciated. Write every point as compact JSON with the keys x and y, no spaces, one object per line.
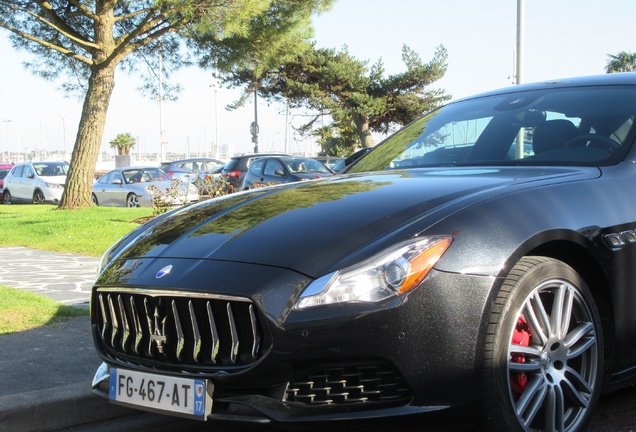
{"x":116,"y":181}
{"x":30,"y":175}
{"x":279,"y":173}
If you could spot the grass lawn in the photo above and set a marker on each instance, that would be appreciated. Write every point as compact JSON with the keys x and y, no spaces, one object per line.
{"x":88,"y":231}
{"x":22,"y":310}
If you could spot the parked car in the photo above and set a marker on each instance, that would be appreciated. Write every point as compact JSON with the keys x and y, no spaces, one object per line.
{"x":4,"y":170}
{"x":501,"y":289}
{"x":345,"y":162}
{"x":329,"y":161}
{"x":35,"y":182}
{"x":283,"y":169}
{"x":234,"y":171}
{"x":188,"y":169}
{"x":129,"y":187}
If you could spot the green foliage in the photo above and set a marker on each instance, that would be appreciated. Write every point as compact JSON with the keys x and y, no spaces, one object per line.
{"x":174,"y":195}
{"x":210,"y":187}
{"x":622,"y":62}
{"x":261,"y":44}
{"x":123,"y":142}
{"x":84,"y":41}
{"x":358,"y":98}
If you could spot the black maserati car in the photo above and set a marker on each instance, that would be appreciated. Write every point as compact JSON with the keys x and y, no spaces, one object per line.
{"x":481,"y":259}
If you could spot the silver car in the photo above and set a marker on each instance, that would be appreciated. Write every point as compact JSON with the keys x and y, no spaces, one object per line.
{"x":136,"y":187}
{"x":35,"y":182}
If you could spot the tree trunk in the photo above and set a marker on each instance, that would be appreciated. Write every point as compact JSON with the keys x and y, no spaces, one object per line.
{"x":362,"y":125}
{"x":77,"y":192}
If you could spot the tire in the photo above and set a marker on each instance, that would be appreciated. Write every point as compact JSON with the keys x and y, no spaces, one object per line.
{"x":132,"y":200}
{"x":38,"y":197}
{"x":543,"y":362}
{"x":94,"y":199}
{"x":7,"y":197}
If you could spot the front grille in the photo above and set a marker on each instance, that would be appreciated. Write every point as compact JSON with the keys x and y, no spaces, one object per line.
{"x":349,"y":384}
{"x":178,"y":329}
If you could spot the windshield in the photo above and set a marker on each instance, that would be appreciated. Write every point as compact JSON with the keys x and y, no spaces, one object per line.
{"x":573,"y":126}
{"x":305,"y":166}
{"x":141,"y":175}
{"x":51,"y":169}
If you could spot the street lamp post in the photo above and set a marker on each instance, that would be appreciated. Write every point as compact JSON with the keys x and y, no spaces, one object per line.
{"x":254,"y":125}
{"x":5,"y":138}
{"x":520,"y":40}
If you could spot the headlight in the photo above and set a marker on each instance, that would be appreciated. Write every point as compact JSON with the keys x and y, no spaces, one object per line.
{"x":54,"y":185}
{"x":392,"y":272}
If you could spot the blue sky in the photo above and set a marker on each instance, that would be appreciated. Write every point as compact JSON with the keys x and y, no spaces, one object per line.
{"x":563,"y":38}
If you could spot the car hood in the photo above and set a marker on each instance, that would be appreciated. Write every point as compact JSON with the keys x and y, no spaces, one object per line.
{"x":319,"y":226}
{"x":61,"y":180}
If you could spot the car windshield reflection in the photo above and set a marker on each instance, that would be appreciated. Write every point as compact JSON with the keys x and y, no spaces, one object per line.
{"x":582,"y":126}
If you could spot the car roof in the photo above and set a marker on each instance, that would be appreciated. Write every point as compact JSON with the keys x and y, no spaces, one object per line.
{"x":613,"y":79}
{"x":259,"y":155}
{"x":190,"y":159}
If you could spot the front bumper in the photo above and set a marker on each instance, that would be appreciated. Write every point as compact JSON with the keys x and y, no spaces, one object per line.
{"x":415,"y":354}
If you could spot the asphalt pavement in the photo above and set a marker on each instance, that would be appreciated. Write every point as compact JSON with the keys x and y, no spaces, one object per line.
{"x":46,"y":372}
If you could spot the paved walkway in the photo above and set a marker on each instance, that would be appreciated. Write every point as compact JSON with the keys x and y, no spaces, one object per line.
{"x":46,"y":372}
{"x":64,"y":277}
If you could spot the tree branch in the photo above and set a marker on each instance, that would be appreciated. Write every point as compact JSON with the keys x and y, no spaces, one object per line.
{"x":86,"y":11}
{"x":58,"y":24}
{"x":132,"y":14}
{"x":46,"y":44}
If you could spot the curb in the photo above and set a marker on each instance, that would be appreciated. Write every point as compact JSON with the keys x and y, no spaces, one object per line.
{"x":54,"y":408}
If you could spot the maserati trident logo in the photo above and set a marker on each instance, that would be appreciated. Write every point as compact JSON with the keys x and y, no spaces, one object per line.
{"x":164,"y":271}
{"x":157,"y":329}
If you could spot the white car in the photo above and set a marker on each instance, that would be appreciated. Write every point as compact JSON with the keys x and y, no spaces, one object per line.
{"x":35,"y":182}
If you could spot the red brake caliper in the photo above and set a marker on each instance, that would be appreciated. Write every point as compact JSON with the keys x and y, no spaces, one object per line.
{"x":520,"y":336}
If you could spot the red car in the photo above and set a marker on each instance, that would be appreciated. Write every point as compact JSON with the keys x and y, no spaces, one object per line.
{"x":4,"y":170}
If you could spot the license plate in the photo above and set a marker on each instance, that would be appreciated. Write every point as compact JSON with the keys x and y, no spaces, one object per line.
{"x":179,"y":396}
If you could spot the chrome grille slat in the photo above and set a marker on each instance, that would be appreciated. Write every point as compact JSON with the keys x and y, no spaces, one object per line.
{"x":113,"y":320}
{"x":256,"y":340}
{"x":137,"y":324}
{"x":124,"y":322}
{"x":105,"y":322}
{"x":234,"y":336}
{"x":177,"y":325}
{"x":196,"y":349}
{"x":214,"y":334}
{"x":180,"y":332}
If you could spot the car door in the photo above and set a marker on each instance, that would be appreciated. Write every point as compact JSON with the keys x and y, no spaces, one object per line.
{"x":254,"y":174}
{"x":24,"y":186}
{"x":274,"y":172}
{"x":110,"y":190}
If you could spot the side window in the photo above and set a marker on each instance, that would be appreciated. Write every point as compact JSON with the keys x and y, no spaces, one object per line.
{"x":113,"y":176}
{"x":17,"y":171}
{"x":27,"y":171}
{"x":257,"y":166}
{"x":272,"y":166}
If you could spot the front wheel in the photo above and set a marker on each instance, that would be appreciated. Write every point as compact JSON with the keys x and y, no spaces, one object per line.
{"x":544,"y":353}
{"x":132,"y":200}
{"x":38,"y":197}
{"x":94,"y":199}
{"x":6,"y":198}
